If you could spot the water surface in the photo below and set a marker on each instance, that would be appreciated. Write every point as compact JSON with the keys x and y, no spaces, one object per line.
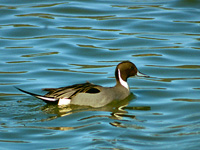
{"x":47,"y":44}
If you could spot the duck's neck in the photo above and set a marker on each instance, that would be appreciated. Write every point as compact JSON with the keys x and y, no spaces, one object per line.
{"x":120,"y":81}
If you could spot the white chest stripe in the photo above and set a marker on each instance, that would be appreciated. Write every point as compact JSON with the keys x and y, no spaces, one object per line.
{"x":124,"y":83}
{"x":64,"y":101}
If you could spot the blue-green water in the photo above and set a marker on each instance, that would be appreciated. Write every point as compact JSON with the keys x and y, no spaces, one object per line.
{"x":47,"y":44}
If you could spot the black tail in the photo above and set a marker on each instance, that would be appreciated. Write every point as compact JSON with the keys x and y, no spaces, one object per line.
{"x":45,"y":99}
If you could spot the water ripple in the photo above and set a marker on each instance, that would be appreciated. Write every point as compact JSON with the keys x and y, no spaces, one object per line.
{"x":53,"y":44}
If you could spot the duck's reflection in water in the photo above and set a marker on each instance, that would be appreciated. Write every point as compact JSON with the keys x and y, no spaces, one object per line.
{"x":117,"y":111}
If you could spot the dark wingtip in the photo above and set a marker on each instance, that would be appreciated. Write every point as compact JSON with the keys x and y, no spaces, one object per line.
{"x":38,"y":96}
{"x":25,"y":91}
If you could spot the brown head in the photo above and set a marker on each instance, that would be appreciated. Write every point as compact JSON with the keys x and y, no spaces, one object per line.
{"x":126,"y":69}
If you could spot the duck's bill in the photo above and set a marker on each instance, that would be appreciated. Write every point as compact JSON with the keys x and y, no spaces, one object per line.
{"x":139,"y":74}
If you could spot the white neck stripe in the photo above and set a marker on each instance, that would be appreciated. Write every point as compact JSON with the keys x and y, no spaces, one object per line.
{"x":123,"y":83}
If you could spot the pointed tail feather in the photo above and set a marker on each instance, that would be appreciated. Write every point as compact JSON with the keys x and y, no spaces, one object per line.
{"x":45,"y":99}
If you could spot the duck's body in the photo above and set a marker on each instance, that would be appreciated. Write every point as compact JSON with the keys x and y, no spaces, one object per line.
{"x":92,"y":95}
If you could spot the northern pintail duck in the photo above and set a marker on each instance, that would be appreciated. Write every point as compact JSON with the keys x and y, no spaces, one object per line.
{"x":89,"y":94}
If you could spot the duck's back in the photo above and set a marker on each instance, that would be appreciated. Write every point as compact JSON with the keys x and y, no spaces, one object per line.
{"x":71,"y":91}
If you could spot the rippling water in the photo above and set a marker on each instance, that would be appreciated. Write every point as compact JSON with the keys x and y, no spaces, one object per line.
{"x":58,"y":43}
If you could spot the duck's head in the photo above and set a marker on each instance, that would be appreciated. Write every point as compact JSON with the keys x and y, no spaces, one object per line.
{"x":126,"y":69}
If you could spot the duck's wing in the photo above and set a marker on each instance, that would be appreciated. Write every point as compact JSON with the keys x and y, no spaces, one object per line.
{"x":71,"y":91}
{"x":67,"y":93}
